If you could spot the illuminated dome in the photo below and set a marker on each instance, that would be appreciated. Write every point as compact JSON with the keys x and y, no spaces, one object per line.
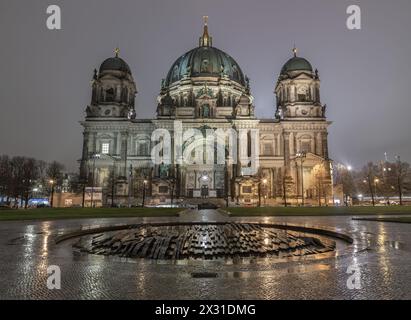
{"x":205,"y":61}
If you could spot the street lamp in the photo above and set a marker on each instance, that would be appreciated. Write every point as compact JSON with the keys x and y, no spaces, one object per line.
{"x":302,"y":155}
{"x":376,"y":181}
{"x":265,"y":190}
{"x":263,"y":181}
{"x":130,"y":181}
{"x":52,"y":192}
{"x":144,"y":192}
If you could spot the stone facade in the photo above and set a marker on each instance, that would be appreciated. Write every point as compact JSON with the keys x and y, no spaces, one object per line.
{"x":206,"y":89}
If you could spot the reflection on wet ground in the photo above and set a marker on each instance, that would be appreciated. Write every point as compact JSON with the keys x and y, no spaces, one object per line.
{"x":380,"y":253}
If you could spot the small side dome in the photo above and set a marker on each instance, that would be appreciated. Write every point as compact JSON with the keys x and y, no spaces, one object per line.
{"x":296,"y":64}
{"x":115,"y":64}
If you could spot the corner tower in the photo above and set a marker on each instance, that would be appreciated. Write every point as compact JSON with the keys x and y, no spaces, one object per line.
{"x":108,"y":115}
{"x":298,"y":91}
{"x":113,"y":90}
{"x":304,"y":127}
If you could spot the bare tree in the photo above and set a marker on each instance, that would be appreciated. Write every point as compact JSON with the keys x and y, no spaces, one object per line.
{"x":6,"y":179}
{"x":55,"y":175}
{"x":345,"y":177}
{"x":370,"y":180}
{"x":30,"y":175}
{"x":396,"y":177}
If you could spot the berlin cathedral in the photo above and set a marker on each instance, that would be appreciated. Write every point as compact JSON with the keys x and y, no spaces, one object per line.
{"x":206,"y":88}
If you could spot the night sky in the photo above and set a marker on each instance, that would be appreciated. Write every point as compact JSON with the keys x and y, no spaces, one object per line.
{"x":45,"y":75}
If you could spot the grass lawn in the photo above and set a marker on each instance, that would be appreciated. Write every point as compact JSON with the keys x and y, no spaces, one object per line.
{"x":398,"y":220}
{"x":78,"y":213}
{"x":318,"y":211}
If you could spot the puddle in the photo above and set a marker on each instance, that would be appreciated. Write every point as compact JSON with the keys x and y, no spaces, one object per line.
{"x":395,"y":245}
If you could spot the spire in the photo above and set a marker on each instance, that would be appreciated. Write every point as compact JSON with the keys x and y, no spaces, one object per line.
{"x":117,"y":51}
{"x":205,"y":39}
{"x":295,"y":50}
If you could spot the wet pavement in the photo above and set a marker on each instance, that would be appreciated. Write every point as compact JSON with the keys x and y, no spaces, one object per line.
{"x":381,"y":256}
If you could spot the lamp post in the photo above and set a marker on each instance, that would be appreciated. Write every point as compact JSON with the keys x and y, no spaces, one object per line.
{"x":129,"y":185}
{"x":84,"y":182}
{"x":94,"y":157}
{"x":265,"y":190}
{"x":302,"y":155}
{"x":113,"y":186}
{"x":113,"y":179}
{"x":52,"y":192}
{"x":376,"y":181}
{"x":144,"y":192}
{"x":263,"y":181}
{"x":399,"y":178}
{"x":172,"y":184}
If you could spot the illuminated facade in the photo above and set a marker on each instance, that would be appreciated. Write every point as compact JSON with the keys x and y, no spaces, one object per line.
{"x":206,"y":89}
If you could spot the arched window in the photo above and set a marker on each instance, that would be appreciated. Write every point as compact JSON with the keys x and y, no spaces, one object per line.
{"x":205,"y":65}
{"x":143,"y":147}
{"x":125,"y":95}
{"x":174,"y":75}
{"x":268,"y":149}
{"x":236,"y":74}
{"x":110,"y":95}
{"x":305,"y":144}
{"x":105,"y":148}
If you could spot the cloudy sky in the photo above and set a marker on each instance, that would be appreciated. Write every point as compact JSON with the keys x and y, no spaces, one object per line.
{"x":45,"y":75}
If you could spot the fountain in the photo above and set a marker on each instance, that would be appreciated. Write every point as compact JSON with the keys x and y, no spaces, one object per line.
{"x":206,"y":241}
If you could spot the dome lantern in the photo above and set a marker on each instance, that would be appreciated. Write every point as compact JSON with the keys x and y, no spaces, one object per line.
{"x":205,"y":40}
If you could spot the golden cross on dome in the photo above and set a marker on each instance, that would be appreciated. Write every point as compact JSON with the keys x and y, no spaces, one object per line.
{"x":117,"y":51}
{"x":205,"y":18}
{"x":295,"y":50}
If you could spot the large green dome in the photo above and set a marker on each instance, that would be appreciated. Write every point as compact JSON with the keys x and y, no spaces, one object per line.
{"x":205,"y":61}
{"x":296,"y":64}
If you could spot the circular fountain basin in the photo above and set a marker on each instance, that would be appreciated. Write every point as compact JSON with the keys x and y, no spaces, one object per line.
{"x":203,"y":241}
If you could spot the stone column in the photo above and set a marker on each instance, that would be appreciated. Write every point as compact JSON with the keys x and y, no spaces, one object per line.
{"x":319,"y":150}
{"x":272,"y":182}
{"x":94,"y":142}
{"x":325,"y":144}
{"x":123,"y":153}
{"x":115,"y":143}
{"x":292,"y":146}
{"x":118,"y":93}
{"x":85,"y":155}
{"x":286,"y":148}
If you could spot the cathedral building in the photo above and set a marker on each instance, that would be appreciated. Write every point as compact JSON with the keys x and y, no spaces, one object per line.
{"x":204,"y":89}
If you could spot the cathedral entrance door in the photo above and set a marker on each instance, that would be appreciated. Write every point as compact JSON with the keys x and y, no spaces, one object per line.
{"x":204,"y":191}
